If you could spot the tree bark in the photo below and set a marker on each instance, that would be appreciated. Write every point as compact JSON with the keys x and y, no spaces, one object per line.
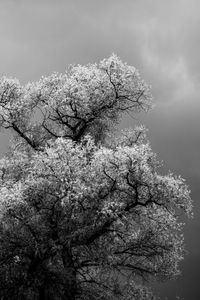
{"x":70,"y":288}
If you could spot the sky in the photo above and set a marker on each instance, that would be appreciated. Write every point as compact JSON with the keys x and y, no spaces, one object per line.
{"x":161,"y":39}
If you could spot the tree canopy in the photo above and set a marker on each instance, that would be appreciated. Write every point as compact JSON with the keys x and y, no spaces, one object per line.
{"x":82,"y":215}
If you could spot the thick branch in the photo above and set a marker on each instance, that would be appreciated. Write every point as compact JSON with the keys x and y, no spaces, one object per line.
{"x":31,"y":143}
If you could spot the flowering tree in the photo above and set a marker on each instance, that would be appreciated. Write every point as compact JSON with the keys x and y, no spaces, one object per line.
{"x":84,"y":216}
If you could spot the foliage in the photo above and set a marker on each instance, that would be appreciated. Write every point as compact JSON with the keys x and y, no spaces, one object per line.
{"x":84,"y":216}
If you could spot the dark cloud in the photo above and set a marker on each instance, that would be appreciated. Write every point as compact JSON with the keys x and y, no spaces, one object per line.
{"x":160,"y":38}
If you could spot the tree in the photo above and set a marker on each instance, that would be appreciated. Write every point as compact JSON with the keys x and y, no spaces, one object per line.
{"x":83,"y":215}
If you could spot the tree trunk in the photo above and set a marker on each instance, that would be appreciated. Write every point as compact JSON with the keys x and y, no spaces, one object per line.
{"x":70,"y":288}
{"x":57,"y":277}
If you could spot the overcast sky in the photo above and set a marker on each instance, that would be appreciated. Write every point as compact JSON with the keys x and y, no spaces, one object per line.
{"x":161,"y":38}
